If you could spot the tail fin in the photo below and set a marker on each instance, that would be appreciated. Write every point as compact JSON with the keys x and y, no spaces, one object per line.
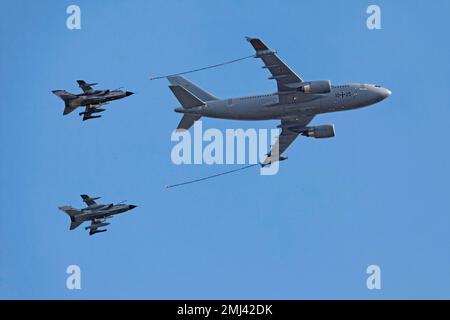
{"x":186,"y":98}
{"x":66,"y":97}
{"x":189,"y":86}
{"x":188,"y":101}
{"x":72,"y":213}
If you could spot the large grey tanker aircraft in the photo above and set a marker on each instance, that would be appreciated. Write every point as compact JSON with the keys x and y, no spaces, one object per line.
{"x":96,"y":213}
{"x":90,"y":98}
{"x":296,"y":102}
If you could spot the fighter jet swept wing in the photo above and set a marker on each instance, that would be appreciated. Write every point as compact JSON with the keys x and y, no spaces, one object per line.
{"x":86,"y":87}
{"x":88,"y":200}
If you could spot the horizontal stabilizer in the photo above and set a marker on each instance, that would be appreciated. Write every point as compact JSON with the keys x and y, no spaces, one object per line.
{"x":187,"y":121}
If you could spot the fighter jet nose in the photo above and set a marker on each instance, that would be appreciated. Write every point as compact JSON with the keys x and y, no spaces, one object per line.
{"x":132,"y":206}
{"x":129,"y":93}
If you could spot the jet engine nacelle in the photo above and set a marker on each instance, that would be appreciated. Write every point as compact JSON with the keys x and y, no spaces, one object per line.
{"x":320,"y":132}
{"x":321,"y":86}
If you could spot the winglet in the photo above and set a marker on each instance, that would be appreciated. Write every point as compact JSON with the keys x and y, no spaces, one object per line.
{"x":257,"y":44}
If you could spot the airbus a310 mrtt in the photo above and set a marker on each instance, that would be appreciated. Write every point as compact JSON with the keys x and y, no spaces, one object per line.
{"x":296,"y":102}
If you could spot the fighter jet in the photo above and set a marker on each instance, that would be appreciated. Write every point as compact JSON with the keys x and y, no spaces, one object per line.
{"x":96,"y":213}
{"x":90,"y":98}
{"x":295,"y":103}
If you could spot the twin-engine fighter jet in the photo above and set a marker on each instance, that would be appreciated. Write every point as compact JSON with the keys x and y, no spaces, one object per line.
{"x":96,"y":213}
{"x":90,"y":98}
{"x":296,"y":102}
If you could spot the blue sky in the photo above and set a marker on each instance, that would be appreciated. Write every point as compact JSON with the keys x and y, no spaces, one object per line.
{"x":375,"y":194}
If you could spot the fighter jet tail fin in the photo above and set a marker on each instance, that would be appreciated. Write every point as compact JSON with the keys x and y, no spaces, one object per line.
{"x":66,"y":97}
{"x":191,"y":87}
{"x":186,"y":98}
{"x":75,"y":224}
{"x":72,"y":213}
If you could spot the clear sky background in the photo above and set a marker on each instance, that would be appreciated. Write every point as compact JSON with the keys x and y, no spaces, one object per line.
{"x":378,"y":193}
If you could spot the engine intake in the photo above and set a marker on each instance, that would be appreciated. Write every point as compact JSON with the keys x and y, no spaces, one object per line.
{"x":320,"y":132}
